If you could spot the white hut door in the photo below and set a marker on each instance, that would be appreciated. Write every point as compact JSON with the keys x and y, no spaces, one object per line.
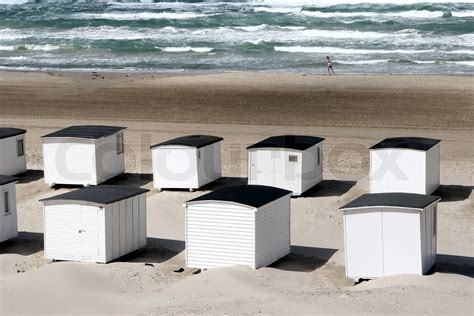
{"x":89,"y":233}
{"x":265,"y":167}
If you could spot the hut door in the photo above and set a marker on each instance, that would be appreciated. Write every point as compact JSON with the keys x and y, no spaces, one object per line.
{"x":265,"y":167}
{"x":89,"y":233}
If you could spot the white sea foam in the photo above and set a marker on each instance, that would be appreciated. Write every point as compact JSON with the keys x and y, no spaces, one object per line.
{"x":234,"y":35}
{"x":466,"y":63}
{"x":13,"y":2}
{"x":338,"y":50}
{"x":46,"y":47}
{"x":412,"y":14}
{"x":6,"y":47}
{"x":324,"y":3}
{"x":261,"y":27}
{"x":123,"y":16}
{"x":463,"y":13}
{"x":184,"y":49}
{"x":363,"y":62}
{"x":14,"y":58}
{"x":462,"y":51}
{"x":277,"y":9}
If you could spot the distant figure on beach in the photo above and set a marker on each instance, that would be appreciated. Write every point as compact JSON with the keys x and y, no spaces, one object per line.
{"x":330,"y":66}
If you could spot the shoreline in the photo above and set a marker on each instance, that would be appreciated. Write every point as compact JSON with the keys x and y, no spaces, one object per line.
{"x":226,"y":71}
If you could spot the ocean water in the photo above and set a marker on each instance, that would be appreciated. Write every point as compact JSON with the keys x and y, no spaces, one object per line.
{"x":258,"y":35}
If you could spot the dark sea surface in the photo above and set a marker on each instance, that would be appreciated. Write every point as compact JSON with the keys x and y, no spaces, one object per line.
{"x":374,"y":37}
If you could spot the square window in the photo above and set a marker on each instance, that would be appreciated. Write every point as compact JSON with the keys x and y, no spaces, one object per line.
{"x":293,"y":158}
{"x":20,"y":147}
{"x":120,"y":143}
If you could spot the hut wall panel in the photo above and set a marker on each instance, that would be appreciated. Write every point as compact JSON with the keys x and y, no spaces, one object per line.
{"x":272,"y":167}
{"x":210,"y":241}
{"x":272,"y":232}
{"x":432,"y":169}
{"x":68,"y":161}
{"x":136,"y":223}
{"x":116,"y":230}
{"x":123,"y":227}
{"x":10,"y":163}
{"x":129,"y":230}
{"x":8,"y":222}
{"x":363,"y":240}
{"x":402,"y":251}
{"x":142,"y":221}
{"x":109,"y":231}
{"x":61,"y":226}
{"x":408,"y":177}
{"x":92,"y":227}
{"x":175,"y":167}
{"x":209,"y":163}
{"x":312,"y":172}
{"x":109,"y":163}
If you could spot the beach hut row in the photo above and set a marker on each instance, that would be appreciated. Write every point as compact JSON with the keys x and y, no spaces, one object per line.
{"x":384,"y":233}
{"x":91,"y":154}
{"x":247,"y":224}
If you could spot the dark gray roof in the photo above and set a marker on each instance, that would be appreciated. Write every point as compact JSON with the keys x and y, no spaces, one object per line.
{"x":197,"y":141}
{"x":7,"y":179}
{"x":103,"y":194}
{"x":418,"y":143}
{"x":86,"y":131}
{"x":407,"y":200}
{"x":298,"y":142}
{"x":251,"y":195}
{"x":6,"y":132}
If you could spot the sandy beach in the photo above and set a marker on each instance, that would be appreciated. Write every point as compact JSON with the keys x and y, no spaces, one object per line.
{"x":350,"y":112}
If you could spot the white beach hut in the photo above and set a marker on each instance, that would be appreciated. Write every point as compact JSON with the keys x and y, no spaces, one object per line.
{"x":238,"y":225}
{"x":8,"y":216}
{"x":96,"y":224}
{"x":405,"y":164}
{"x":12,"y":151}
{"x":291,"y":162}
{"x":83,"y":155}
{"x":389,"y":233}
{"x":187,"y":162}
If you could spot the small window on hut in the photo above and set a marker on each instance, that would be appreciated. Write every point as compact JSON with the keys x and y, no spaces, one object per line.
{"x":20,"y":147}
{"x":119,"y":143}
{"x":319,"y":156}
{"x":293,"y":158}
{"x":6,"y":202}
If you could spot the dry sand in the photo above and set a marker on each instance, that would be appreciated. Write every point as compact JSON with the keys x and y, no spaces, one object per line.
{"x":351,"y":112}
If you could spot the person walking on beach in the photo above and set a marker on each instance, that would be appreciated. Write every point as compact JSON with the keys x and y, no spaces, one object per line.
{"x":330,"y":69}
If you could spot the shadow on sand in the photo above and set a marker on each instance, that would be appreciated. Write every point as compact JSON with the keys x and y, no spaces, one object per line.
{"x":219,"y":183}
{"x":224,"y":182}
{"x":25,"y":244}
{"x":157,"y":250}
{"x":133,"y":179}
{"x":30,"y":175}
{"x":304,"y":259}
{"x":454,"y":265}
{"x":328,"y":188}
{"x":453,"y":193}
